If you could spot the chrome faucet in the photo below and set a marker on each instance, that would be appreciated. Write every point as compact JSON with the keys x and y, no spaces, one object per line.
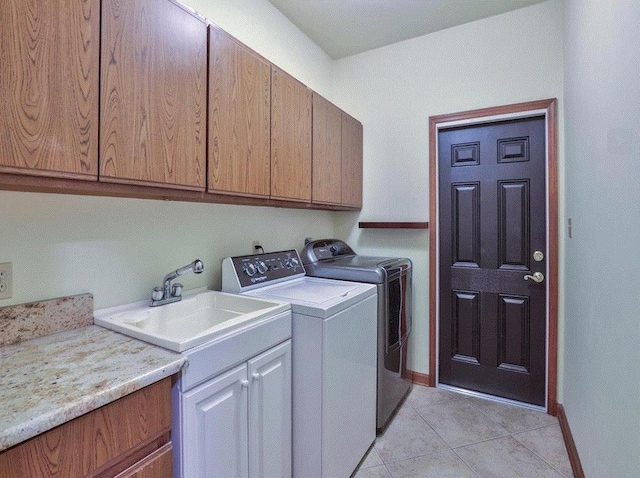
{"x":165,"y":294}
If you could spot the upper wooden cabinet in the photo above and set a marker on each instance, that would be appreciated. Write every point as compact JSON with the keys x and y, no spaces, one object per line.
{"x":337,"y":155}
{"x":351,"y":161}
{"x":290,"y":138}
{"x":49,"y":87}
{"x":153,"y":94}
{"x":327,"y":152}
{"x":131,"y":94}
{"x":239,"y":118}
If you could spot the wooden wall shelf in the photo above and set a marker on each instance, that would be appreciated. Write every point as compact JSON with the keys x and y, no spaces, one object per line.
{"x":393,"y":225}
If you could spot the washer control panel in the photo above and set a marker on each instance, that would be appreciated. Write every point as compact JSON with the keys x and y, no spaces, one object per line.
{"x":257,"y":269}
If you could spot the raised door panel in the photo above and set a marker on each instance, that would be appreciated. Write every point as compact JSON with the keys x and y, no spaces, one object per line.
{"x":465,"y":326}
{"x":215,"y":433}
{"x":49,"y":88}
{"x":351,"y":161}
{"x":465,"y":224}
{"x":239,"y":118}
{"x":270,"y":412}
{"x":153,"y":94}
{"x":290,"y":138}
{"x":327,"y":152}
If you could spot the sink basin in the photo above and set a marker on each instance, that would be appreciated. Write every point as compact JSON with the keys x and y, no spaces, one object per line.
{"x":196,"y":319}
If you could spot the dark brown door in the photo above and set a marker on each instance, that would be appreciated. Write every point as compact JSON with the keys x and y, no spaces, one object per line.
{"x":492,"y":324}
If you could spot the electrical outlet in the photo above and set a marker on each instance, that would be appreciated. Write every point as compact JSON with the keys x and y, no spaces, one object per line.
{"x":6,"y":280}
{"x":256,"y":247}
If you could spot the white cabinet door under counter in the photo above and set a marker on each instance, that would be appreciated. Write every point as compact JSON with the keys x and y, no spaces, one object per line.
{"x":251,"y":405}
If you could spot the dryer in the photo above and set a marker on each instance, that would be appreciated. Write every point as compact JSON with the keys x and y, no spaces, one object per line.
{"x":334,"y":259}
{"x":333,"y":358}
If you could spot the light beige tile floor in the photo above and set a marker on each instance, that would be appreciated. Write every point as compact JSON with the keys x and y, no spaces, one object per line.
{"x":438,"y":433}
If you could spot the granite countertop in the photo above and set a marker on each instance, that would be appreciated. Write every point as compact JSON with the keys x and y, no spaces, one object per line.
{"x":49,"y":380}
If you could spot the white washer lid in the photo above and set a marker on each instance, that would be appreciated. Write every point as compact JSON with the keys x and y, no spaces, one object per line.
{"x":316,"y":297}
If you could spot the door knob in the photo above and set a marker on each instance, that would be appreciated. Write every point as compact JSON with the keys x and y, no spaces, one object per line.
{"x":536,"y":277}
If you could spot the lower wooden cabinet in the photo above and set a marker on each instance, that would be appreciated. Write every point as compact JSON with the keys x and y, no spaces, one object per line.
{"x":158,"y":464}
{"x":129,"y":437}
{"x":239,"y":423}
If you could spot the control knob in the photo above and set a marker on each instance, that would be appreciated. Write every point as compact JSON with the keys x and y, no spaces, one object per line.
{"x":262,"y":267}
{"x":292,"y":262}
{"x":250,"y":269}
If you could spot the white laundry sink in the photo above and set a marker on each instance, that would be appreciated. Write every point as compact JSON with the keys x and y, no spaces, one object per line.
{"x":194,"y":320}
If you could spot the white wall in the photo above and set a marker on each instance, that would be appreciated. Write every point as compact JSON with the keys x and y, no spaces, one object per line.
{"x":118,"y":249}
{"x":393,"y":90}
{"x":262,"y":27}
{"x":602,"y":343}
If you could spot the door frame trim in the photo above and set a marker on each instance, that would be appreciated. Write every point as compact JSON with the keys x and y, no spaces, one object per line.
{"x":548,"y":108}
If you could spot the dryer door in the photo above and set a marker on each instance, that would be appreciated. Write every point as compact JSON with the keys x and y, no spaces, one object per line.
{"x":398,"y":318}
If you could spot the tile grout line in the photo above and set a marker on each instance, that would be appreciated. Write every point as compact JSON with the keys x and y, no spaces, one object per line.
{"x":418,"y":456}
{"x":434,"y":430}
{"x":542,"y":458}
{"x":480,"y":410}
{"x":515,"y":432}
{"x":481,"y":441}
{"x":519,"y":442}
{"x":467,"y":444}
{"x":473,"y":470}
{"x":535,"y":428}
{"x":414,"y":407}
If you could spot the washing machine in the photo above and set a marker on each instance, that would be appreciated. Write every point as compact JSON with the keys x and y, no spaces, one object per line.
{"x":334,"y":333}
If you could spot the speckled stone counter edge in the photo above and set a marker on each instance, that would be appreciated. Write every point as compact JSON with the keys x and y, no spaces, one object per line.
{"x":57,"y":366}
{"x":45,"y":317}
{"x":50,"y":380}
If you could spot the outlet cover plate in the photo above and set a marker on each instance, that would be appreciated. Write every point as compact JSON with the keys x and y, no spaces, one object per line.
{"x":6,"y":280}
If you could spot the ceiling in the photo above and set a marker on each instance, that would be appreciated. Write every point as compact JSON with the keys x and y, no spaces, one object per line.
{"x":346,"y":27}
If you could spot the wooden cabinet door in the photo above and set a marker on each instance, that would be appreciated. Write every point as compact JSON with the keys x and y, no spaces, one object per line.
{"x":327,"y":152}
{"x":351,"y":161}
{"x":270,"y":412}
{"x":158,"y":464}
{"x":215,"y":433}
{"x":290,"y":138}
{"x":153,"y":94}
{"x":239,"y":118}
{"x":49,"y":87}
{"x":103,"y":442}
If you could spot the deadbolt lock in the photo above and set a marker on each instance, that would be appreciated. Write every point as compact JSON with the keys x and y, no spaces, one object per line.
{"x":538,"y":256}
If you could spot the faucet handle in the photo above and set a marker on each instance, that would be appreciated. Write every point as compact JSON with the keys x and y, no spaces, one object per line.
{"x":176,"y":289}
{"x":158,"y":293}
